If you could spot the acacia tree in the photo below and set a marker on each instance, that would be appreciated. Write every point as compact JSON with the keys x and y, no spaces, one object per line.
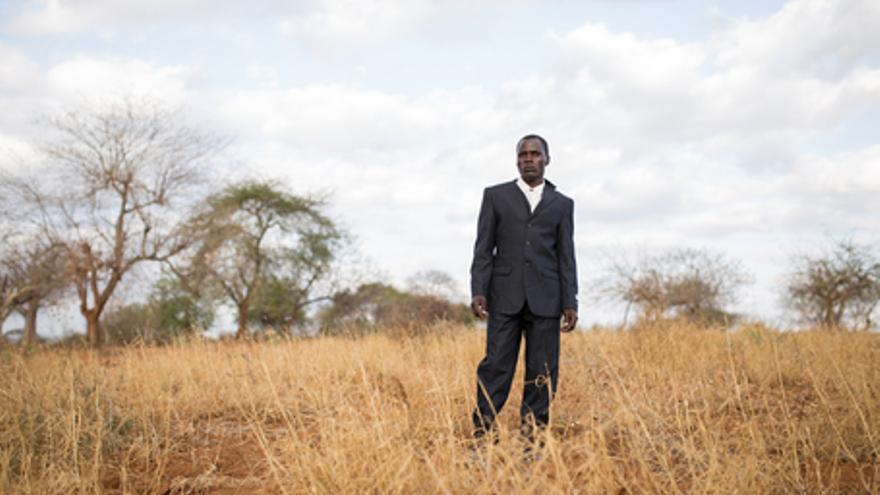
{"x":838,"y":288}
{"x":377,"y":305}
{"x":114,"y":179}
{"x":692,"y":283}
{"x":251,"y":237}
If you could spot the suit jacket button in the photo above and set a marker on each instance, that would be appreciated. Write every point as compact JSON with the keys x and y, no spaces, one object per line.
{"x":528,"y":243}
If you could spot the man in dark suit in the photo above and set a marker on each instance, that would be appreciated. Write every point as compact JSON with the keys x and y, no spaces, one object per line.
{"x":523,"y":278}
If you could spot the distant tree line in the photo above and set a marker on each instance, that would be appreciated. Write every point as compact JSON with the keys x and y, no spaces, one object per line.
{"x":378,"y":305}
{"x":838,"y":289}
{"x":127,"y":185}
{"x":693,"y":284}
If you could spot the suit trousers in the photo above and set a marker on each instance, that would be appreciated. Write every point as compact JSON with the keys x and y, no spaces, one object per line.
{"x":496,"y":370}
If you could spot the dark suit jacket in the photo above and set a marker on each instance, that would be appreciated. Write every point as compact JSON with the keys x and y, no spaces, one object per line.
{"x":521,"y":257}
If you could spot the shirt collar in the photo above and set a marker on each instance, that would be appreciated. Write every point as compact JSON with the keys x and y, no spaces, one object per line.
{"x":527,"y":188}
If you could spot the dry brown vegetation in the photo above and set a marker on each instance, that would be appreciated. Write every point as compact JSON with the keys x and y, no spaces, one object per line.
{"x":665,"y":409}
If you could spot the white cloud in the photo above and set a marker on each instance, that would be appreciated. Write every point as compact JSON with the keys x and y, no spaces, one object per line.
{"x":22,"y":89}
{"x":265,"y":75}
{"x":14,"y":151}
{"x":331,"y":24}
{"x":17,"y":71}
{"x":345,"y":118}
{"x":836,"y":192}
{"x":84,"y":77}
{"x":817,"y":38}
{"x":659,"y":63}
{"x":647,"y":92}
{"x":322,"y":24}
{"x":72,"y":16}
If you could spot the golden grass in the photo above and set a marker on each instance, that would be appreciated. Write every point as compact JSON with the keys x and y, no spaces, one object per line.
{"x":662,"y":410}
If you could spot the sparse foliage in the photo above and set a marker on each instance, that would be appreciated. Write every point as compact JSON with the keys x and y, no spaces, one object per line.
{"x":177,"y":310}
{"x":838,"y":288}
{"x":278,"y":304}
{"x":129,"y":323}
{"x":168,"y":312}
{"x":695,"y":284}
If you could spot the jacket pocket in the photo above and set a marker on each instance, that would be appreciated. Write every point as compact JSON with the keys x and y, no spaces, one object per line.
{"x":550,"y":274}
{"x":502,"y":270}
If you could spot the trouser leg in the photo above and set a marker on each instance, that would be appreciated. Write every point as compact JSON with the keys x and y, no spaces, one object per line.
{"x":495,"y":372}
{"x":542,"y":369}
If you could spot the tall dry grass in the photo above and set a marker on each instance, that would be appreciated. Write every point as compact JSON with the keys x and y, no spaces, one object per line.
{"x":662,"y":410}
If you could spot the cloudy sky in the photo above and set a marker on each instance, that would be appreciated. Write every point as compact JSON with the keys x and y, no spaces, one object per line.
{"x":748,"y":127}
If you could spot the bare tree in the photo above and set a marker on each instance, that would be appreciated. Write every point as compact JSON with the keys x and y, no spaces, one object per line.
{"x":32,"y":278}
{"x":837,"y":288}
{"x":114,"y":180}
{"x":254,"y":236}
{"x":10,"y":290}
{"x":691,"y":283}
{"x":435,"y":283}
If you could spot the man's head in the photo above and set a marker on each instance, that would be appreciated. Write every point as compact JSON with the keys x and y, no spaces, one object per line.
{"x":532,"y":157}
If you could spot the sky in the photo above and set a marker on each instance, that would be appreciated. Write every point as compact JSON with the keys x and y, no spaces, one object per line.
{"x":745,"y":127}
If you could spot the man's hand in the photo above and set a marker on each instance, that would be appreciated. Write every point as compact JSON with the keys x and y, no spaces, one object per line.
{"x":478,"y":306}
{"x":569,"y":319}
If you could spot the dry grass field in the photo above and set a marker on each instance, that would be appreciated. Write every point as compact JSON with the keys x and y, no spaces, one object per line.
{"x":669,"y":409}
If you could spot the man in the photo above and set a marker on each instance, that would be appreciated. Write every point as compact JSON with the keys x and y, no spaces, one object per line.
{"x":523,"y":278}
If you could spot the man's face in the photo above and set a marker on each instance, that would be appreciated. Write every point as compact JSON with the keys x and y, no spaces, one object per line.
{"x":531,"y":161}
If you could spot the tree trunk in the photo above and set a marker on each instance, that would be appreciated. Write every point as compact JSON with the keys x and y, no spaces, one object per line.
{"x":242,"y":321}
{"x":3,"y":316}
{"x":828,"y":316}
{"x":93,"y":329}
{"x":29,"y":335}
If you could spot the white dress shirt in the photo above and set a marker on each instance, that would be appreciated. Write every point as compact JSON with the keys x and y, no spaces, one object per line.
{"x":533,"y":194}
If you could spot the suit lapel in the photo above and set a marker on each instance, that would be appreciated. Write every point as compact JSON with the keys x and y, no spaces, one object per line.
{"x":519,"y":199}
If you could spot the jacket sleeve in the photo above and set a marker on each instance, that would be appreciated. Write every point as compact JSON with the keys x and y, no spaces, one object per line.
{"x":567,"y":263}
{"x":481,"y":267}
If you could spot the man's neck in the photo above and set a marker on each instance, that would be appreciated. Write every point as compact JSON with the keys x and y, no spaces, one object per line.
{"x":533,"y":183}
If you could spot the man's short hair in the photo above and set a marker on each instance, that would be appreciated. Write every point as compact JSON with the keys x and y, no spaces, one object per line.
{"x":539,"y":138}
